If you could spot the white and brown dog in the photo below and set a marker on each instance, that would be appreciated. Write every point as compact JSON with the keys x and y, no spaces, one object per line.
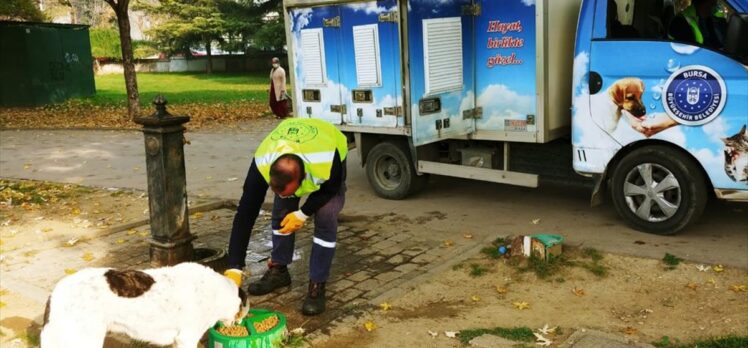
{"x":170,"y":305}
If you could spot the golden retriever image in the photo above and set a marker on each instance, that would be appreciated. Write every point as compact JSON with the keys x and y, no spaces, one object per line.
{"x":623,"y":95}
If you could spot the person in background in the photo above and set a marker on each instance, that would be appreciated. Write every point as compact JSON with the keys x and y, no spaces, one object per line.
{"x":278,"y":96}
{"x":701,"y":23}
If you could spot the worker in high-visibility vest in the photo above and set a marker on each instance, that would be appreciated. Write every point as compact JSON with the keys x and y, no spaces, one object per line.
{"x":300,"y":157}
{"x":701,"y":23}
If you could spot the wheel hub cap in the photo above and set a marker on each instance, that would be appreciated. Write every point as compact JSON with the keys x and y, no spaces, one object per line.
{"x":652,"y":192}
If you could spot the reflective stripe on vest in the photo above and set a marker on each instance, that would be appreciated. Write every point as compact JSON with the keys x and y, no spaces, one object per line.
{"x":314,"y":141}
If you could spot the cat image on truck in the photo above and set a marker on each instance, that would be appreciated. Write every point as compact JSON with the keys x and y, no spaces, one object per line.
{"x":640,"y":96}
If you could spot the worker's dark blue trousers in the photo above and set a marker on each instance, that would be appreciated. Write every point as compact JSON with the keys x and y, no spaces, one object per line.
{"x":325,"y":235}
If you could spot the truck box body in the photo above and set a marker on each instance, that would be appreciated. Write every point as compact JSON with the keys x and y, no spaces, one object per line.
{"x":478,"y":69}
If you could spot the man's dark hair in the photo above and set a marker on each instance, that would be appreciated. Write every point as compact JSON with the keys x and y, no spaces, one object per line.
{"x":281,"y":175}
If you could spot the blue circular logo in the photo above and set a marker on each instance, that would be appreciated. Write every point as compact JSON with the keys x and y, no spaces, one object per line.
{"x":694,"y":95}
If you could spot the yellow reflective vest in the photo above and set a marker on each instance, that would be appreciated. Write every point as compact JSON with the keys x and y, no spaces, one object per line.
{"x":313,"y":140}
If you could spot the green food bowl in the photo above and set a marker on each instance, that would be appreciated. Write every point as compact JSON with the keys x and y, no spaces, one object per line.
{"x":272,"y":338}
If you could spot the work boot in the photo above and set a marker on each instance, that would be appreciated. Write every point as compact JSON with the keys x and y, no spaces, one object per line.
{"x":275,"y":277}
{"x":315,"y":299}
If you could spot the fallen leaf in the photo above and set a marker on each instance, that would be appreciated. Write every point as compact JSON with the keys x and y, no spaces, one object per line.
{"x":70,"y":271}
{"x":703,"y":268}
{"x":692,"y":286}
{"x":448,"y":243}
{"x":130,"y":232}
{"x":501,"y":290}
{"x":143,"y":234}
{"x":232,"y":179}
{"x":75,"y":211}
{"x":630,"y":330}
{"x":475,"y":298}
{"x":3,"y":292}
{"x":546,"y":330}
{"x":385,"y":306}
{"x":467,"y":236}
{"x":46,"y":229}
{"x":72,"y":242}
{"x":450,"y":334}
{"x":719,"y":268}
{"x":433,"y":334}
{"x":370,"y":326}
{"x":535,"y":221}
{"x":299,"y":331}
{"x":712,"y":281}
{"x":197,"y":216}
{"x":521,"y":305}
{"x":738,"y":288}
{"x":577,"y":291}
{"x":542,"y":340}
{"x":208,"y":177}
{"x":2,"y":304}
{"x":26,"y":166}
{"x":120,"y":241}
{"x":88,"y":257}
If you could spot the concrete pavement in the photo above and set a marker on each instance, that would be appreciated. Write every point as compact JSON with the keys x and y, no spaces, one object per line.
{"x":217,"y":164}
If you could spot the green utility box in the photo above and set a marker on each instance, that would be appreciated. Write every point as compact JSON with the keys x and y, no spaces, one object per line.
{"x":44,"y":63}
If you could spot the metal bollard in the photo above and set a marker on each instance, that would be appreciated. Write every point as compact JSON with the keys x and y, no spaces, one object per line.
{"x":171,"y":240}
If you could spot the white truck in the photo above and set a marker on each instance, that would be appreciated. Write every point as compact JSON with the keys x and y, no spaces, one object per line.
{"x":513,"y":91}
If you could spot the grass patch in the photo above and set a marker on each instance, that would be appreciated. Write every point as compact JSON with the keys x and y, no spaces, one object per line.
{"x":182,"y":88}
{"x":477,"y":270}
{"x":521,"y":334}
{"x":35,"y":193}
{"x":730,"y":341}
{"x":593,"y":254}
{"x":671,"y":261}
{"x":31,"y":337}
{"x":493,"y":250}
{"x":544,"y":268}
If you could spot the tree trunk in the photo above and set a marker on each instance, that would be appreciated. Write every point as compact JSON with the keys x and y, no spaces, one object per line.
{"x":210,"y":57}
{"x":131,"y":82}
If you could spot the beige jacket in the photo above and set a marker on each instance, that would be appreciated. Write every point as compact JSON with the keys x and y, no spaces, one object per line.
{"x":278,"y":76}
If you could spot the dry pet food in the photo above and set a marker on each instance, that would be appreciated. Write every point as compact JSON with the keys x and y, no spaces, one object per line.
{"x":234,"y":331}
{"x":267,"y":324}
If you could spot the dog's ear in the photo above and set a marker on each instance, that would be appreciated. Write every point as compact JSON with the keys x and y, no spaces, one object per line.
{"x":617,"y":93}
{"x":242,"y":295}
{"x":641,"y":86}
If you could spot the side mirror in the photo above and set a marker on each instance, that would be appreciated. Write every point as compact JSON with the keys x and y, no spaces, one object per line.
{"x":737,"y":36}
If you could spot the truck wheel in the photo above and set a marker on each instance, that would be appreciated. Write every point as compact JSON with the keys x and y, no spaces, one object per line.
{"x":658,"y":190}
{"x":391,"y":173}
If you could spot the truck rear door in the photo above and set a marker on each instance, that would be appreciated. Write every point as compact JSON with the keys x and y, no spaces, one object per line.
{"x":441,"y":53}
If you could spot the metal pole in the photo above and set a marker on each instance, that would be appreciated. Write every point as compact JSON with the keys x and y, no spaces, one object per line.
{"x":171,"y":240}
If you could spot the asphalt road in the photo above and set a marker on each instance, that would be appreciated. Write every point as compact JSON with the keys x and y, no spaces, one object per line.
{"x":217,"y":163}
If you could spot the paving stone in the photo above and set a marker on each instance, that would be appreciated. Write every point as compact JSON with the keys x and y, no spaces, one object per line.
{"x":414,"y":251}
{"x":393,"y":250}
{"x":385,"y":244}
{"x":407,"y":268}
{"x":368,"y":285}
{"x":347,"y":295}
{"x":397,"y":259}
{"x":424,"y":258}
{"x":340,"y":285}
{"x":360,"y":276}
{"x":389,"y":276}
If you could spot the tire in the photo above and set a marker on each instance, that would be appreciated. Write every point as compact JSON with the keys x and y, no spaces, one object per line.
{"x":391,"y":173}
{"x":674,"y":198}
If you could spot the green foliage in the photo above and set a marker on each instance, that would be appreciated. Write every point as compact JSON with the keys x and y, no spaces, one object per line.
{"x":105,"y":43}
{"x":522,"y":334}
{"x":271,"y":36}
{"x":671,"y":261}
{"x":731,"y":341}
{"x":21,"y":10}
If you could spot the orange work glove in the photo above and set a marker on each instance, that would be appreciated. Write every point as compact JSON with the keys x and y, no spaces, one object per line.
{"x":235,"y":275}
{"x":292,"y":222}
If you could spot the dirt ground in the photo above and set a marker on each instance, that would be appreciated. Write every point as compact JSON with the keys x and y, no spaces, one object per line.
{"x":641,"y":299}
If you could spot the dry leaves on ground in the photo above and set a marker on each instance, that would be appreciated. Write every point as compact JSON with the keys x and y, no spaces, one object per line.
{"x":83,"y":114}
